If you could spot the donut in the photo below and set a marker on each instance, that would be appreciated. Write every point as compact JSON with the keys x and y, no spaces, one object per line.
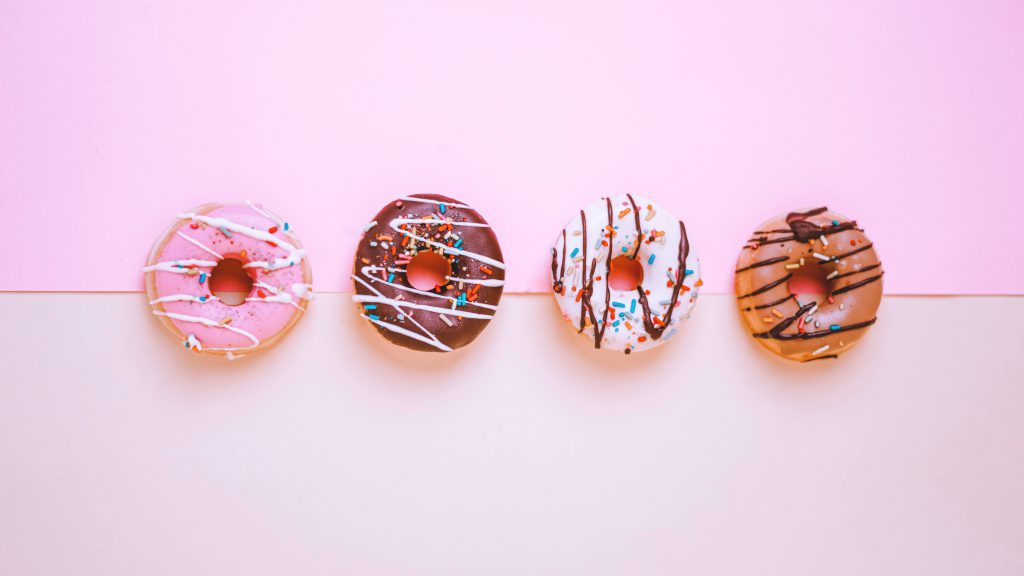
{"x":428,"y":273}
{"x":212,"y":245}
{"x":624,"y":273}
{"x":817,"y":247}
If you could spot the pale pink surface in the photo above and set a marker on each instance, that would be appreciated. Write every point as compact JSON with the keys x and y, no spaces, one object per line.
{"x":261,"y":318}
{"x":907,"y":116}
{"x":528,"y":453}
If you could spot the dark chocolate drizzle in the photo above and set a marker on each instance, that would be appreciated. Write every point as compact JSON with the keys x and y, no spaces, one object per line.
{"x":766,"y":287}
{"x":864,"y":269}
{"x":855,"y":285}
{"x":867,"y":246}
{"x":639,"y":232}
{"x":558,"y":286}
{"x":767,"y":262}
{"x":770,"y":304}
{"x":826,"y":357}
{"x":588,"y":288}
{"x":655,"y":332}
{"x":818,"y":334}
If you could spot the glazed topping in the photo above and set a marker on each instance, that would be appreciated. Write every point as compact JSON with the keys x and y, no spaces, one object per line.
{"x":265,"y":248}
{"x":598,"y":275}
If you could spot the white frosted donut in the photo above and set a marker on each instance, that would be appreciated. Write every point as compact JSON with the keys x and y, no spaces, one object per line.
{"x":615,"y":237}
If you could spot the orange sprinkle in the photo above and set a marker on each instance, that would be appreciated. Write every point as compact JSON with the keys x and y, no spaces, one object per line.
{"x":486,"y":270}
{"x":642,"y":339}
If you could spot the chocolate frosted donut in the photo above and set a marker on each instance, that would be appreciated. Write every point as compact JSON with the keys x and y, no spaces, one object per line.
{"x":796,"y":251}
{"x":428,"y":273}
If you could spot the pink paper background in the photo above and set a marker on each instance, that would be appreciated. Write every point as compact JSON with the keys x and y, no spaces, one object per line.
{"x":907,"y":116}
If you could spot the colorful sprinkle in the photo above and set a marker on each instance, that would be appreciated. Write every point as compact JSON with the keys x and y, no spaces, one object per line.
{"x":202,"y":277}
{"x":651,"y":259}
{"x":820,"y":350}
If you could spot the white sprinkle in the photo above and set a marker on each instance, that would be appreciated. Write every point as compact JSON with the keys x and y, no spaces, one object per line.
{"x":370,"y":225}
{"x":385,"y":245}
{"x":820,"y":350}
{"x":374,"y":244}
{"x":824,"y":240}
{"x":832,"y":275}
{"x":446,"y":320}
{"x":792,"y":266}
{"x":841,"y":306}
{"x":801,"y":261}
{"x":822,"y":257}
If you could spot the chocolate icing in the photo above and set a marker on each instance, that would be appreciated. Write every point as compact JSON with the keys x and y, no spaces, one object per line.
{"x":396,"y":322}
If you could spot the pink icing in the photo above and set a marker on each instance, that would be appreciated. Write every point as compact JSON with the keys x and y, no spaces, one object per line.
{"x":261,"y":318}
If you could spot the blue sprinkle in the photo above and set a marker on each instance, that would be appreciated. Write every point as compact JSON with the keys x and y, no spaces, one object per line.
{"x":687,"y":272}
{"x":632,"y":306}
{"x":458,"y":242}
{"x":391,"y":277}
{"x":225,"y":231}
{"x":374,"y":317}
{"x":575,"y":251}
{"x":616,"y":323}
{"x":618,"y":304}
{"x":624,"y":249}
{"x":286,"y":226}
{"x":202,"y":298}
{"x":370,"y":306}
{"x":202,"y":277}
{"x":442,"y":207}
{"x":834,"y":327}
{"x":835,"y":222}
{"x":651,"y":259}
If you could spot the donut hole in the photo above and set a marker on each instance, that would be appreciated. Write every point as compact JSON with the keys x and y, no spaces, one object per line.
{"x":626,"y":273}
{"x":230,"y":282}
{"x":810,"y":280}
{"x":428,"y":270}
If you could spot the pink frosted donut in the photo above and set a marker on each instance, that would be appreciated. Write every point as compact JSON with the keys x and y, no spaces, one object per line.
{"x":218,"y":238}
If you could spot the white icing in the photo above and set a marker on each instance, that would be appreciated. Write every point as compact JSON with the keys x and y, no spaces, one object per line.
{"x":276,"y":295}
{"x":450,"y":249}
{"x":193,"y":343}
{"x":183,"y":298}
{"x":201,"y":245}
{"x":179,"y":266}
{"x":303,"y":291}
{"x":295,"y":254}
{"x":665,"y":249}
{"x":211,"y":323}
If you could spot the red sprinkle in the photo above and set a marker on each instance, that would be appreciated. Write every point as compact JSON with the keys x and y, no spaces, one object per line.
{"x":194,"y":226}
{"x":272,"y":229}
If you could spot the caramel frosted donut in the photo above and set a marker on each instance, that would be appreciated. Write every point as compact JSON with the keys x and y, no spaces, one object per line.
{"x":624,"y":273}
{"x":817,"y":246}
{"x":212,"y":240}
{"x":428,"y":273}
